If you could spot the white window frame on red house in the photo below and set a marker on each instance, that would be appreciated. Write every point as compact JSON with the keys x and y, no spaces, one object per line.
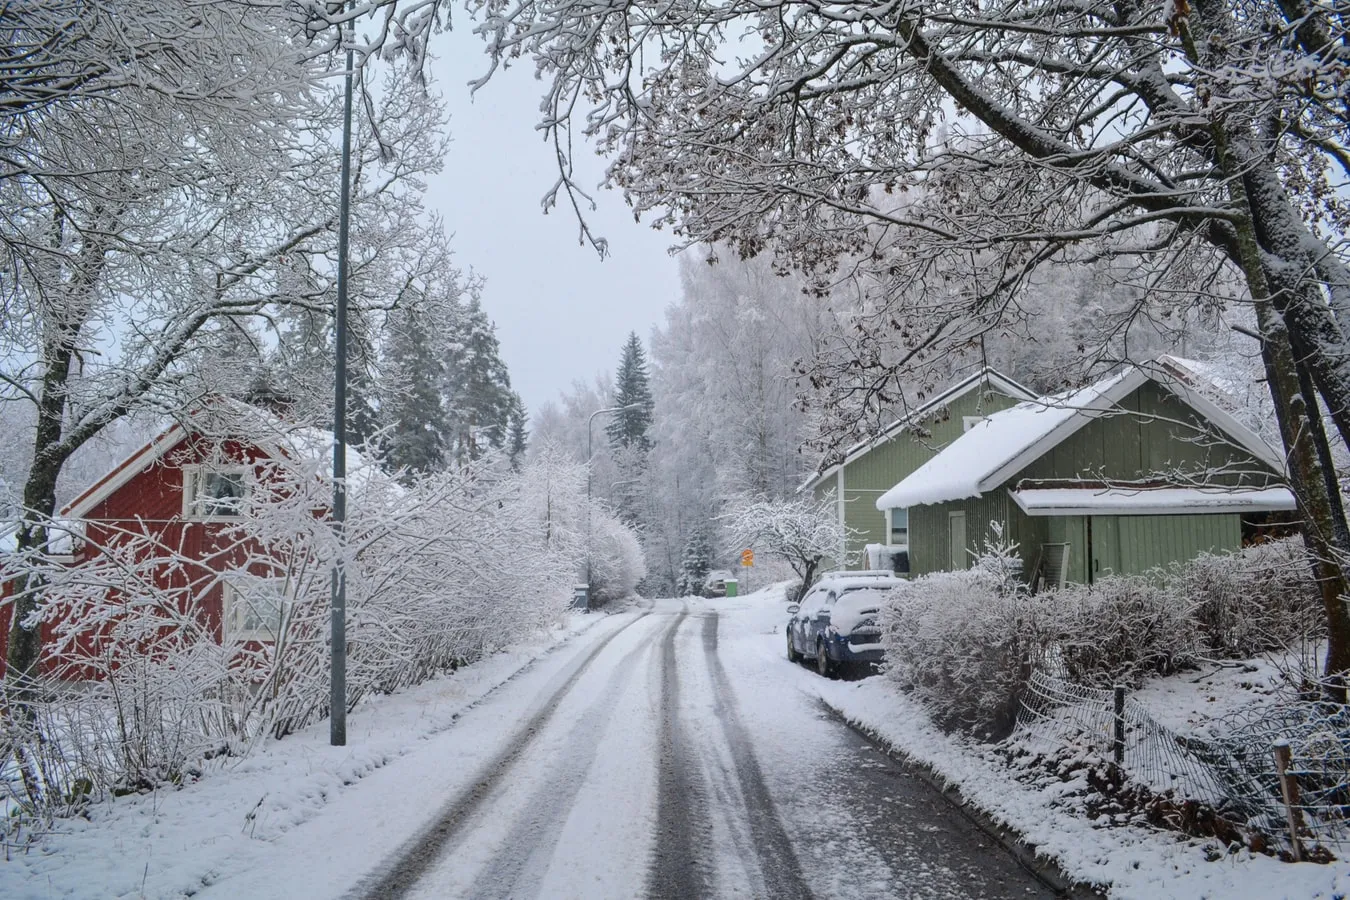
{"x":241,"y":618}
{"x":195,"y":503}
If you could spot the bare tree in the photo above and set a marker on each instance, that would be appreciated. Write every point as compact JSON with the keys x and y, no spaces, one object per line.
{"x":800,"y":530}
{"x":937,"y":155}
{"x":140,"y":227}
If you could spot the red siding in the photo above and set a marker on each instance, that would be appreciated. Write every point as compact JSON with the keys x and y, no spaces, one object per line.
{"x":150,"y":503}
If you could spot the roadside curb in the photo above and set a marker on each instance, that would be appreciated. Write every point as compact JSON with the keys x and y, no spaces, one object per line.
{"x":1044,"y":869}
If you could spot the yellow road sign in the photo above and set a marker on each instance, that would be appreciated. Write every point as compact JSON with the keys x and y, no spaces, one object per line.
{"x":747,"y":557}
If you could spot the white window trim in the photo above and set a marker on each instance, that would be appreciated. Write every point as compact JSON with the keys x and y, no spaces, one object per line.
{"x":192,"y":476}
{"x":890,"y":526}
{"x":965,"y":549}
{"x":229,"y":596}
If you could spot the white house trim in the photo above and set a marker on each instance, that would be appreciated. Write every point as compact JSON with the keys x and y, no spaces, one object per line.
{"x":1123,"y":501}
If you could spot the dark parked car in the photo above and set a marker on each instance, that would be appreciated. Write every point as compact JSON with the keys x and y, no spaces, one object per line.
{"x":836,"y":622}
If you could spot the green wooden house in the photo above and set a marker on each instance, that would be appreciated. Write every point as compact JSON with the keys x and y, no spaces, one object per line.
{"x":870,"y":468}
{"x":1137,"y":471}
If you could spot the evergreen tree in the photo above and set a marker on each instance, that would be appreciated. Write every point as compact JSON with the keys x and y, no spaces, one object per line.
{"x":478,"y":388}
{"x":632,"y":388}
{"x":697,"y":561}
{"x":413,"y":372}
{"x":519,"y":437}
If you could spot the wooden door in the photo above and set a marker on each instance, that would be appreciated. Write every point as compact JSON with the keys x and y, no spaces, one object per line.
{"x":956,"y":529}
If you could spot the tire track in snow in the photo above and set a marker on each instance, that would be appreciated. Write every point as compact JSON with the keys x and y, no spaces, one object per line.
{"x":394,"y":881}
{"x":778,"y":863}
{"x":519,"y":870}
{"x":675,"y":873}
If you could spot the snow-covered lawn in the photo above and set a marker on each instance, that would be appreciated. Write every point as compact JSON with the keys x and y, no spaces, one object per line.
{"x":176,"y":842}
{"x":1134,"y":861}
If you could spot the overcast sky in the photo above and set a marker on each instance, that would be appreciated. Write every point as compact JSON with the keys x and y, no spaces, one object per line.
{"x":562,"y":314}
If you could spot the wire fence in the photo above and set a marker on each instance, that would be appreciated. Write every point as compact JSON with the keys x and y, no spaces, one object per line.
{"x":1235,"y":772}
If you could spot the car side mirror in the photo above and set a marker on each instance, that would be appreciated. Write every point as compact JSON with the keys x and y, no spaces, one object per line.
{"x":793,"y":607}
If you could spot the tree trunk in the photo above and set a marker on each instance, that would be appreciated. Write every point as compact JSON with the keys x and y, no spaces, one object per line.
{"x":1311,"y":484}
{"x":1309,"y":480}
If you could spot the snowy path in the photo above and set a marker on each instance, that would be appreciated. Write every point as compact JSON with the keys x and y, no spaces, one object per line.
{"x":674,"y":755}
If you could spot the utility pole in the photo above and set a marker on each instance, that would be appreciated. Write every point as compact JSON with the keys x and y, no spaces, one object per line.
{"x":337,"y":699}
{"x":590,"y":439}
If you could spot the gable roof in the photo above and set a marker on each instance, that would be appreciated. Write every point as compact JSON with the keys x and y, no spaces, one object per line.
{"x":224,"y":419}
{"x":985,"y":376}
{"x":996,"y":448}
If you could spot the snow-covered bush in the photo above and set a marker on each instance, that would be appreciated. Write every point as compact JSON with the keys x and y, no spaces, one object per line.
{"x":617,"y":561}
{"x":1259,"y":599}
{"x":965,"y":644}
{"x":1121,"y":629}
{"x":149,"y":681}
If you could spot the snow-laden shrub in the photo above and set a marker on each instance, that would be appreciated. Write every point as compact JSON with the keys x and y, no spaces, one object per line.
{"x":965,"y":644}
{"x":1260,"y":599}
{"x":149,"y":680}
{"x":1121,"y":629}
{"x":617,"y":560}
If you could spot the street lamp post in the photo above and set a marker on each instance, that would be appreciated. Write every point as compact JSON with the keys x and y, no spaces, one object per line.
{"x":590,"y":439}
{"x":337,"y":675}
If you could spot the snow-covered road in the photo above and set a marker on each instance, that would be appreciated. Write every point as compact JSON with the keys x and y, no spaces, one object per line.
{"x":669,"y":752}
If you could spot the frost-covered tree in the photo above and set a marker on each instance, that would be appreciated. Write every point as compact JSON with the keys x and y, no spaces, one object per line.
{"x":477,"y":386}
{"x":696,"y":562}
{"x":518,"y":438}
{"x":417,"y":423}
{"x":629,"y":442}
{"x":800,"y":530}
{"x":150,"y":241}
{"x":935,"y":156}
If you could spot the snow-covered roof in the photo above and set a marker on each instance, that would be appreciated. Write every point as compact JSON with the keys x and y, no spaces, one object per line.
{"x":1125,"y":501}
{"x":986,"y":376}
{"x":225,"y":419}
{"x":998,"y":447}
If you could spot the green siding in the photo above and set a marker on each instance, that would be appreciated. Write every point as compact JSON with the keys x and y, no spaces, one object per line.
{"x":886,"y":465}
{"x":1159,"y":438}
{"x":930,"y":538}
{"x":1125,"y":545}
{"x":1147,"y":542}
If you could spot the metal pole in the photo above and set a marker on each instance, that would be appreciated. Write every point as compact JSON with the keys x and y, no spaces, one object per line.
{"x":589,"y":452}
{"x":337,"y":701}
{"x":1118,"y":719}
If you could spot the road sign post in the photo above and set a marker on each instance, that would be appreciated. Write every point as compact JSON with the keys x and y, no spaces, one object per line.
{"x":747,"y":563}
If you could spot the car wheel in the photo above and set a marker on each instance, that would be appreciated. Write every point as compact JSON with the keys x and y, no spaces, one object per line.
{"x":792,"y":654}
{"x":823,"y":664}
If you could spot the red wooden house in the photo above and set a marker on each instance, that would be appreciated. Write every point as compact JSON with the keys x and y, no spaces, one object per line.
{"x":171,"y":512}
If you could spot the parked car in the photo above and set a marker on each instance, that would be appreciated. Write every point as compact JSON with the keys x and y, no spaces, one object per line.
{"x":715,"y":585}
{"x":836,"y":622}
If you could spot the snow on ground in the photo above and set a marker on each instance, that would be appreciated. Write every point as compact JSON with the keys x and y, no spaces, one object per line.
{"x":1192,"y":701}
{"x":178,"y":842}
{"x":1137,"y":863}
